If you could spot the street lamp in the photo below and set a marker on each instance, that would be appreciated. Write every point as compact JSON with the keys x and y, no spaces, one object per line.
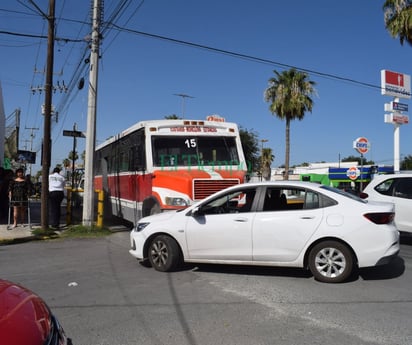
{"x":261,"y":157}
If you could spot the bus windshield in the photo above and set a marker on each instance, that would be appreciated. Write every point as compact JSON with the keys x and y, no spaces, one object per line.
{"x":194,"y":151}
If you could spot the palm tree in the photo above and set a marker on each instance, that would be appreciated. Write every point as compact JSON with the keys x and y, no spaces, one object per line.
{"x":66,"y":163}
{"x":398,"y":19}
{"x":289,"y":96}
{"x":266,"y":162}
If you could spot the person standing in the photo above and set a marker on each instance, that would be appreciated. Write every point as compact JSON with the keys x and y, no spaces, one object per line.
{"x":19,"y":196}
{"x":4,"y":194}
{"x":56,"y":196}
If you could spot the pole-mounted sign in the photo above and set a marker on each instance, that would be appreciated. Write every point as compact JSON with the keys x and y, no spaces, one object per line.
{"x":361,"y":145}
{"x":395,"y":84}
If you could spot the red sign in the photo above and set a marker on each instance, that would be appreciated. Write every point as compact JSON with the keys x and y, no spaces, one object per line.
{"x":395,"y":84}
{"x":394,"y":78}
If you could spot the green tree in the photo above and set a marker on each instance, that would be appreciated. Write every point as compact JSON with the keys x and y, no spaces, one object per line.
{"x":266,"y":163}
{"x":250,"y":146}
{"x":172,"y":117}
{"x":66,"y":163}
{"x":406,"y":163}
{"x":73,"y":155}
{"x":357,"y":159}
{"x":398,"y":19}
{"x":289,"y":94}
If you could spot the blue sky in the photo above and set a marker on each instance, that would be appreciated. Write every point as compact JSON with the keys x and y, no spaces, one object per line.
{"x":139,"y":76}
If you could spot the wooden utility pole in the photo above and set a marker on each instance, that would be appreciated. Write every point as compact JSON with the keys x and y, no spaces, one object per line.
{"x":46,"y":158}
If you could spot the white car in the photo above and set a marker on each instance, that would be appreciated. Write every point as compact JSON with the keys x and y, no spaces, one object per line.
{"x":287,"y":223}
{"x":395,"y":188}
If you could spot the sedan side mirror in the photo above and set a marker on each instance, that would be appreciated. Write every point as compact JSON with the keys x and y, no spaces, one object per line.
{"x":363,"y":195}
{"x":196,"y":212}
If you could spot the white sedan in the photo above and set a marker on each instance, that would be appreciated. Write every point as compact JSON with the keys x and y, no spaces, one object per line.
{"x":286,"y":223}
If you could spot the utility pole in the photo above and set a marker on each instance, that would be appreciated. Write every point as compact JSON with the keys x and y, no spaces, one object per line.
{"x":184,"y":96}
{"x":47,"y":119}
{"x":31,"y":139}
{"x":88,"y":199}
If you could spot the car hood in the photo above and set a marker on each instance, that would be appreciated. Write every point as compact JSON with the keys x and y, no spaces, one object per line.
{"x":164,"y":216}
{"x":24,"y":317}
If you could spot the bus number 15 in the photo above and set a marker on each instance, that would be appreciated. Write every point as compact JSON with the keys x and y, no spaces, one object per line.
{"x":190,"y":143}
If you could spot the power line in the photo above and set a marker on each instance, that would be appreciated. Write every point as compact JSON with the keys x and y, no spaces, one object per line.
{"x":246,"y":57}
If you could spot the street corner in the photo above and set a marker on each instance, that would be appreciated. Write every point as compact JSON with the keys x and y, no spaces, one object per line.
{"x":9,"y":235}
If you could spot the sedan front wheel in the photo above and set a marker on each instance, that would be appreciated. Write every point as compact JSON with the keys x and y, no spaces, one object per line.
{"x":164,"y":253}
{"x":331,"y":262}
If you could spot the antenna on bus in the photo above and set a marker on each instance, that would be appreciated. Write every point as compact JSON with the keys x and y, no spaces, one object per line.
{"x":184,"y":96}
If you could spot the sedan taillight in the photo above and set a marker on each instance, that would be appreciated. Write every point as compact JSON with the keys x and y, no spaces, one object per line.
{"x":380,"y":218}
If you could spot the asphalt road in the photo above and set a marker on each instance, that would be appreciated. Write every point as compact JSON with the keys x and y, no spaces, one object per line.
{"x":102,"y":296}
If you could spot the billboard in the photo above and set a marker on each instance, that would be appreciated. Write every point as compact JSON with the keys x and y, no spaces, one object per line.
{"x":26,"y":157}
{"x":395,"y":84}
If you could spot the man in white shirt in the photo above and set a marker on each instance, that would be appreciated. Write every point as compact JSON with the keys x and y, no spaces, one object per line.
{"x":56,"y":196}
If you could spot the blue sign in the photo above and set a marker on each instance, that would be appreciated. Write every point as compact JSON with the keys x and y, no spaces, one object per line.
{"x":399,"y":106}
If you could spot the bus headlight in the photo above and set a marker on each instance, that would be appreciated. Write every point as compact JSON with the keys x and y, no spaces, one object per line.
{"x":175,"y":201}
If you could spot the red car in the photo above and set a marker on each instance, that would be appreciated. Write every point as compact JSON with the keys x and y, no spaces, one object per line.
{"x":25,"y":319}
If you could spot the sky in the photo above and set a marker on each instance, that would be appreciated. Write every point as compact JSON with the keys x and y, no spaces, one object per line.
{"x":343,"y":45}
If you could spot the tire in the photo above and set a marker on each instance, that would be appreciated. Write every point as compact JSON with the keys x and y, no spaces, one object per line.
{"x":155,"y":209}
{"x":150,"y":207}
{"x":331,"y":262}
{"x":164,"y":254}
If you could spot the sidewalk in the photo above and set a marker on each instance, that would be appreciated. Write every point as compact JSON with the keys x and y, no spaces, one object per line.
{"x":24,"y":233}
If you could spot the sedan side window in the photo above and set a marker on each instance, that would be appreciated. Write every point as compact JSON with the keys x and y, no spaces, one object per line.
{"x":403,"y":188}
{"x":311,"y":200}
{"x":233,"y":202}
{"x":385,"y":187}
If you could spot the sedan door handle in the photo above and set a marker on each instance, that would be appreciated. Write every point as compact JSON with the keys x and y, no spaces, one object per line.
{"x":240,"y":219}
{"x":307,"y":217}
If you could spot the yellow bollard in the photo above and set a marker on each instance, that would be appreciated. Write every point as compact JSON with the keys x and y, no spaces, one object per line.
{"x":100,"y":203}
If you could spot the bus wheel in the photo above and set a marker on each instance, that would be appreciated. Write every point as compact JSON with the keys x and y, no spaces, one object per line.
{"x":155,"y":209}
{"x":164,"y":254}
{"x":150,"y":207}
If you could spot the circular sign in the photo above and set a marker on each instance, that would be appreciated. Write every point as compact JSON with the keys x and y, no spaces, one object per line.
{"x":361,"y":145}
{"x":353,"y":173}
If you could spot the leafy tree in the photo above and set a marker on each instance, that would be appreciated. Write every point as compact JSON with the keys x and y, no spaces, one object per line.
{"x":250,"y":146}
{"x":289,"y":95}
{"x":73,"y":155}
{"x":406,"y":163}
{"x":172,"y":117}
{"x":357,"y":159}
{"x":398,"y":19}
{"x":66,"y":163}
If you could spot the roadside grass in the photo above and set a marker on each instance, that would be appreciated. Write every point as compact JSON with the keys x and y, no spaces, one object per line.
{"x":73,"y":231}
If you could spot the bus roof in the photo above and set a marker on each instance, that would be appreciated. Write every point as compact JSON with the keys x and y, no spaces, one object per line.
{"x":176,"y":126}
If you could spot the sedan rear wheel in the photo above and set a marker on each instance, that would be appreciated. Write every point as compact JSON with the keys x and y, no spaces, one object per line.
{"x":164,"y":253}
{"x":331,"y":262}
